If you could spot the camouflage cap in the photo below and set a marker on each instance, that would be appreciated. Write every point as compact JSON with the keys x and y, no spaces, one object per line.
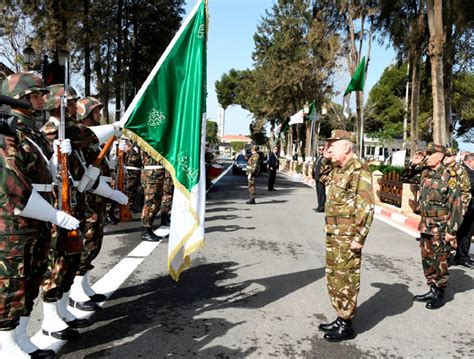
{"x":433,"y":147}
{"x":86,"y":105}
{"x":53,"y":98}
{"x":451,"y":151}
{"x":23,"y":83}
{"x":341,"y":135}
{"x":49,"y":127}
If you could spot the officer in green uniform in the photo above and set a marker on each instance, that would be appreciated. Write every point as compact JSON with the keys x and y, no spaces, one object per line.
{"x":152,"y":177}
{"x":441,"y":216}
{"x":253,"y":168}
{"x":133,"y":166}
{"x":349,"y":214}
{"x":167,"y":199}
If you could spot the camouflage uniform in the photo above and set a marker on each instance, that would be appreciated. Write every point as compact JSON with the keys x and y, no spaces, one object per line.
{"x":440,"y":208}
{"x":167,"y":198}
{"x":133,"y":166}
{"x":30,"y":158}
{"x":349,"y":214}
{"x":93,"y":222}
{"x":64,"y":255}
{"x":463,"y":179}
{"x":252,"y":173}
{"x":153,"y":178}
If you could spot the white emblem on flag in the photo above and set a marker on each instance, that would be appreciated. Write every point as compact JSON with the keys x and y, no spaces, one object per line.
{"x":155,"y":118}
{"x":201,"y":32}
{"x":183,"y":162}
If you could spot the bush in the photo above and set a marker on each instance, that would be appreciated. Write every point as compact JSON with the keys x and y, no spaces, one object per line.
{"x":299,"y":168}
{"x":387,"y":169}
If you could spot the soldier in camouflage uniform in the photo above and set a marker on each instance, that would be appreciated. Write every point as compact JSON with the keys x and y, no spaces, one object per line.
{"x":349,"y":214}
{"x":153,"y":177}
{"x":166,"y":199}
{"x":97,"y":194}
{"x":252,"y":173}
{"x":33,"y":161}
{"x":133,"y":164}
{"x":65,"y":254}
{"x":441,"y":216}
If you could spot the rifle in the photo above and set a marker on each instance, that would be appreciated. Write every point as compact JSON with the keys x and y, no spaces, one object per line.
{"x":73,"y":241}
{"x":125,"y":214}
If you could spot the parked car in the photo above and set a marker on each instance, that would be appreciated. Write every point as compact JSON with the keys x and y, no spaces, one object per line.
{"x":263,"y":162}
{"x":239,"y":167}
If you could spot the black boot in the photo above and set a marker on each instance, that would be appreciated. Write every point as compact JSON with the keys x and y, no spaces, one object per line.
{"x":110,"y":218}
{"x":148,"y":235}
{"x":251,"y":201}
{"x":343,"y":331}
{"x":165,"y":219}
{"x":427,"y":296}
{"x":329,"y":327}
{"x":43,"y":354}
{"x":438,"y":300}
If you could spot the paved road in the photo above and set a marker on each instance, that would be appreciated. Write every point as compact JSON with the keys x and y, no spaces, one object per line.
{"x":257,"y":290}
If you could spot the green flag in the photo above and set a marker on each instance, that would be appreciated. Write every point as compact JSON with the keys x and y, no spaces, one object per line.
{"x":166,"y":119}
{"x":356,"y":84}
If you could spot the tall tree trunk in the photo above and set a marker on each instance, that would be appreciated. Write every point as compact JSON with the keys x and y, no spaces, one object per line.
{"x":414,"y":103}
{"x":87,"y":49}
{"x":435,"y":52}
{"x":118,"y":74}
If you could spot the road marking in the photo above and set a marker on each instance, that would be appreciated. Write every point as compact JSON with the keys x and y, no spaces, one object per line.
{"x":107,"y":285}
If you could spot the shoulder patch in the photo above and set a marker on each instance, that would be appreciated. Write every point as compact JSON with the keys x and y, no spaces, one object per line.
{"x":452,"y":182}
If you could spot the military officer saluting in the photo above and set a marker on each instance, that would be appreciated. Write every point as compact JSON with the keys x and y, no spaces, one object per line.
{"x":349,"y":214}
{"x":441,"y":216}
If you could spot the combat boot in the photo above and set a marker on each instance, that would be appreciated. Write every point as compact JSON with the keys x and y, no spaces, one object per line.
{"x":251,"y":201}
{"x":344,"y":331}
{"x":148,"y":235}
{"x":438,"y":300}
{"x":54,"y":326}
{"x":165,"y":219}
{"x":329,"y":327}
{"x":25,"y":343}
{"x":427,"y":296}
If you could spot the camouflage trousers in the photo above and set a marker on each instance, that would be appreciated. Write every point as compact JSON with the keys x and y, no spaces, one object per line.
{"x":131,"y":184}
{"x":342,"y":274}
{"x":252,"y":187}
{"x":434,"y":259}
{"x":152,"y":182}
{"x":167,"y":198}
{"x":92,"y":226}
{"x":23,"y":262}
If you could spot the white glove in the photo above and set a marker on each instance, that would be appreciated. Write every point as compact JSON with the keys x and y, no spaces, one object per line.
{"x":88,"y":179}
{"x":38,"y":208}
{"x":64,"y":220}
{"x":119,"y":197}
{"x":118,"y":129}
{"x":122,"y":145}
{"x":104,"y":190}
{"x":64,"y":146}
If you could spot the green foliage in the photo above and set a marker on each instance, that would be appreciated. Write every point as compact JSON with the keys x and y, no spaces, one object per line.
{"x":237,"y":146}
{"x":387,"y":169}
{"x":386,"y":103}
{"x":299,"y":168}
{"x":463,"y":105}
{"x":211,"y":133}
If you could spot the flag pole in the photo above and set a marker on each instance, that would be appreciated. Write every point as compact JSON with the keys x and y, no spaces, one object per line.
{"x":361,"y":148}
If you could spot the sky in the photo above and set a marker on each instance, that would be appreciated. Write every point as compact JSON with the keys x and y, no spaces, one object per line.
{"x":232,"y":25}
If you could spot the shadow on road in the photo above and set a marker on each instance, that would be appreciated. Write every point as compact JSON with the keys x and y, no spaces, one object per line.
{"x":228,"y":228}
{"x":459,"y":282}
{"x":390,"y":300}
{"x":162,"y":317}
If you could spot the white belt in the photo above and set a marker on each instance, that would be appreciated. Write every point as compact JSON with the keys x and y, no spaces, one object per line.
{"x":133,"y":168}
{"x":157,"y":167}
{"x":41,"y":187}
{"x":106,"y":179}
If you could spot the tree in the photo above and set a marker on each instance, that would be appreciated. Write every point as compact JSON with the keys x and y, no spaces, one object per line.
{"x":211,"y":133}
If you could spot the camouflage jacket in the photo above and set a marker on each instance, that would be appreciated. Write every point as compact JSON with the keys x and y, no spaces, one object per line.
{"x":15,"y":190}
{"x":465,"y":184}
{"x":151,"y":175}
{"x":253,"y":165}
{"x":350,"y":199}
{"x":439,"y":201}
{"x":91,"y":149}
{"x":134,"y":158}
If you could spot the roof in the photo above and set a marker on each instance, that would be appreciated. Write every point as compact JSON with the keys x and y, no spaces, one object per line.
{"x":236,"y":138}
